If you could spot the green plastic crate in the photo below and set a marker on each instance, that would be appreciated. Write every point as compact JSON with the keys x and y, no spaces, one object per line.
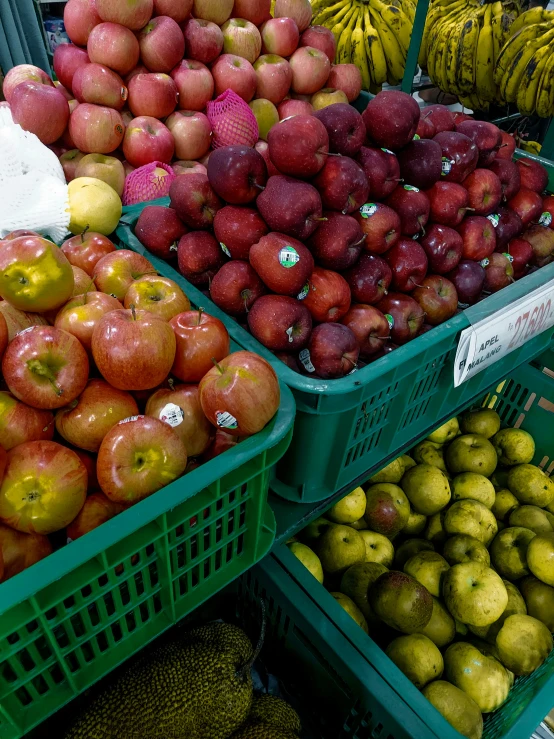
{"x":526,"y":400}
{"x":73,"y":617}
{"x":352,"y":424}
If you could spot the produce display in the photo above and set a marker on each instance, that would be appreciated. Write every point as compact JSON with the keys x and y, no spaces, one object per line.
{"x":112,"y":388}
{"x":446,"y":559}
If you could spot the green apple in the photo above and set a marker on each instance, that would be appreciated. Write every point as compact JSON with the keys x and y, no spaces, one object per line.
{"x":516,"y":604}
{"x":481,"y":677}
{"x":530,"y":485}
{"x":314,"y":530}
{"x":407,"y":461}
{"x":435,"y":532}
{"x":339,"y":548}
{"x":531,"y":517}
{"x":309,"y":559}
{"x":504,"y":504}
{"x":408,"y":549}
{"x":427,"y":489}
{"x":401,"y":602}
{"x":266,"y":114}
{"x":446,"y":432}
{"x":352,"y":609}
{"x":513,"y":446}
{"x":473,"y":486}
{"x":417,"y":657}
{"x":378,"y":548}
{"x":428,"y":452}
{"x":355,"y":584}
{"x":540,"y":558}
{"x":441,"y":629}
{"x":328,"y":96}
{"x":471,"y":453}
{"x":463,"y":548}
{"x":359,"y":525}
{"x":350,"y":508}
{"x":416,"y":524}
{"x":472,"y":518}
{"x":523,"y":644}
{"x":391,"y":473}
{"x":539,"y":598}
{"x":387,"y":509}
{"x":428,"y":568}
{"x":457,"y":707}
{"x":509,"y":552}
{"x":474,"y":594}
{"x":108,"y":169}
{"x":482,"y":421}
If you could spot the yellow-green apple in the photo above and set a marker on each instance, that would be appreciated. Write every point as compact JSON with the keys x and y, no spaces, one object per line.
{"x":17,"y":320}
{"x":445,"y":433}
{"x":401,"y":602}
{"x":540,"y":557}
{"x":481,"y":677}
{"x":378,"y":548}
{"x":509,"y":552}
{"x":240,"y":394}
{"x":200,"y":337}
{"x":23,"y":73}
{"x":67,"y":60}
{"x":96,"y":128}
{"x":69,"y":161}
{"x":464,"y":548}
{"x":107,"y":169}
{"x":162,"y":44}
{"x":418,"y":658}
{"x":86,"y":250}
{"x":428,"y":568}
{"x":235,"y":73}
{"x":179,"y":10}
{"x":82,"y":283}
{"x":40,"y":109}
{"x":192,"y":133}
{"x":319,"y":37}
{"x":153,"y":95}
{"x":471,"y":453}
{"x":195,"y":84}
{"x":299,"y":10}
{"x":114,"y":46}
{"x":133,"y":14}
{"x":427,"y":488}
{"x":328,"y":96}
{"x":472,"y":518}
{"x":274,"y":77}
{"x":159,"y":229}
{"x":97,"y":510}
{"x":80,"y":315}
{"x":266,"y":115}
{"x":157,"y":294}
{"x":539,"y":598}
{"x":280,"y":36}
{"x":340,"y":547}
{"x":237,"y":173}
{"x":194,"y":200}
{"x":241,"y":37}
{"x":84,"y":422}
{"x":345,"y":77}
{"x":235,"y":287}
{"x":44,"y":487}
{"x":310,"y":70}
{"x":203,"y":40}
{"x":134,"y":350}
{"x":94,"y":83}
{"x":523,"y":643}
{"x":474,"y":594}
{"x":216,"y":12}
{"x":280,"y":323}
{"x":20,"y":423}
{"x":147,"y":140}
{"x":180,"y":408}
{"x":115,"y":272}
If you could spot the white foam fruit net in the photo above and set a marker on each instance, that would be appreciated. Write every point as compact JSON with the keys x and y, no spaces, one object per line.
{"x":149,"y":182}
{"x":232,"y":121}
{"x":33,"y":190}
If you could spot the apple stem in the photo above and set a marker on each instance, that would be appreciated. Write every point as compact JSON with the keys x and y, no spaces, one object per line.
{"x":217,"y":365}
{"x":383,"y":338}
{"x":83,"y":233}
{"x":472,"y":209}
{"x":200,"y":311}
{"x":502,"y":146}
{"x":354,"y":364}
{"x":329,"y":153}
{"x":171,"y":383}
{"x":361,"y":241}
{"x":260,"y":187}
{"x":426,"y":287}
{"x":45,"y":429}
{"x":134,"y":313}
{"x":320,"y":219}
{"x":40,"y":369}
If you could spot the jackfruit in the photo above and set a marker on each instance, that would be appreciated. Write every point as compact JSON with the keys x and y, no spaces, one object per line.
{"x":263,"y":731}
{"x":196,"y":687}
{"x":274,"y":711}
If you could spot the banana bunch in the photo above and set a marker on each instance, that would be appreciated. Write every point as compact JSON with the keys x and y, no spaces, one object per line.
{"x":372,"y":34}
{"x":461,"y":45}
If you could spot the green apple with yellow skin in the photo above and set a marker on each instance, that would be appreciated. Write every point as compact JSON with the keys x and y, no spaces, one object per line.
{"x":504,"y":504}
{"x":427,"y":452}
{"x":513,"y":446}
{"x":539,"y":598}
{"x":359,"y":524}
{"x":428,"y":568}
{"x":481,"y":677}
{"x":445,"y":433}
{"x":417,"y":657}
{"x":441,"y":629}
{"x":509,"y":552}
{"x":339,"y":548}
{"x":457,"y":707}
{"x":266,"y":114}
{"x":550,"y":508}
{"x":309,"y":559}
{"x":378,"y":548}
{"x":352,"y":609}
{"x":408,"y":462}
{"x":401,"y":602}
{"x":523,"y":644}
{"x":387,"y":509}
{"x":409,"y":548}
{"x":540,"y":558}
{"x":427,"y":489}
{"x":435,"y":531}
{"x":391,"y":473}
{"x":314,"y":530}
{"x":482,"y":421}
{"x":463,"y":548}
{"x":105,"y":168}
{"x":472,"y":518}
{"x":473,"y":486}
{"x":328,"y":96}
{"x":516,"y":604}
{"x":355,"y":583}
{"x":531,"y":517}
{"x":530,"y":485}
{"x":350,"y":508}
{"x":474,"y":594}
{"x":471,"y":453}
{"x":416,"y":524}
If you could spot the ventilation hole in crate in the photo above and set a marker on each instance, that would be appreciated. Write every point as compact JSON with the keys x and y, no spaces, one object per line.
{"x":149,"y":551}
{"x":131,"y":622}
{"x":153,"y":574}
{"x":69,"y":603}
{"x":56,"y":674}
{"x":194,"y":548}
{"x":240,"y":544}
{"x":22,"y":695}
{"x":87,"y":652}
{"x":194,"y":577}
{"x":207,"y":572}
{"x":102,"y":581}
{"x":206,"y":538}
{"x":40,"y":685}
{"x":109,"y":603}
{"x":144,"y":612}
{"x":61,"y":637}
{"x":219,"y":504}
{"x":232,"y":496}
{"x":242,"y":518}
{"x":26,"y":661}
{"x":124,"y":593}
{"x":72,"y":662}
{"x":93,"y":614}
{"x":542,"y":464}
{"x":231,"y":523}
{"x":78,"y":626}
{"x":51,"y":614}
{"x":377,"y":731}
{"x":14,"y":638}
{"x":86,"y":591}
{"x":117,"y":632}
{"x":102,"y":641}
{"x":179,"y":531}
{"x":218,"y":559}
{"x":157,"y":601}
{"x":139,"y":583}
{"x":7,"y":672}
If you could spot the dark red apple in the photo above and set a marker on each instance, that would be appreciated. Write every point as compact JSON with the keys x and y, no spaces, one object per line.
{"x":507,"y":147}
{"x":408,"y":262}
{"x":499,"y":272}
{"x":338,"y":242}
{"x":342,"y":184}
{"x":199,"y":257}
{"x":333,"y":350}
{"x":369,"y":280}
{"x":479,"y":237}
{"x":522,"y":254}
{"x":468,"y":279}
{"x":547,"y":216}
{"x":426,"y":128}
{"x":298,"y":146}
{"x":404,"y":314}
{"x":194,"y":200}
{"x":159,"y":229}
{"x":283,"y":263}
{"x":412,"y":206}
{"x":440,"y":116}
{"x":486,"y":136}
{"x":345,"y":128}
{"x":421,"y":163}
{"x":370,"y":327}
{"x":541,"y":239}
{"x":236,"y":287}
{"x":237,"y":173}
{"x":391,"y":119}
{"x":280,"y":323}
{"x":382,"y":170}
{"x":381,"y":226}
{"x":508,"y":224}
{"x":443,"y":246}
{"x":533,"y":175}
{"x":485,"y":191}
{"x":290,"y":206}
{"x":438,"y":298}
{"x":449,"y":202}
{"x":237,"y":229}
{"x":460,"y":152}
{"x":527,"y":204}
{"x":508,"y":174}
{"x":328,"y":297}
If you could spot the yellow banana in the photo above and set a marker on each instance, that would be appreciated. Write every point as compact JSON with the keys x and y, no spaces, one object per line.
{"x":435,"y":17}
{"x":398,"y":23}
{"x":531,"y":16}
{"x":374,"y":51}
{"x":344,"y":43}
{"x":515,"y":45}
{"x":358,"y":51}
{"x":530,"y":80}
{"x":465,"y":55}
{"x":338,"y":29}
{"x":496,"y":15}
{"x":333,"y":13}
{"x":407,"y":6}
{"x":453,"y":39}
{"x":510,"y":81}
{"x":545,"y":93}
{"x":484,"y":66}
{"x":393,"y":53}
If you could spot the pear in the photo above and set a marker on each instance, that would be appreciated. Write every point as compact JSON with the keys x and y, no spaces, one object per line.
{"x":509,"y":552}
{"x":464,"y":548}
{"x":391,"y":473}
{"x":474,"y":594}
{"x":446,"y":432}
{"x":530,"y":485}
{"x":471,"y":453}
{"x":523,"y":644}
{"x":427,"y":452}
{"x":350,"y":508}
{"x":513,"y":446}
{"x":309,"y":559}
{"x":457,"y":707}
{"x":531,"y":517}
{"x":472,"y":518}
{"x":441,"y":629}
{"x":339,"y":548}
{"x":355,"y":584}
{"x":417,"y":657}
{"x":473,"y":486}
{"x":408,"y":548}
{"x":504,"y":504}
{"x":482,"y":421}
{"x":427,"y":489}
{"x":428,"y":568}
{"x":377,"y":548}
{"x":539,"y":598}
{"x":481,"y":677}
{"x":416,"y":524}
{"x":540,"y":557}
{"x":401,"y":602}
{"x":314,"y":530}
{"x":352,"y":609}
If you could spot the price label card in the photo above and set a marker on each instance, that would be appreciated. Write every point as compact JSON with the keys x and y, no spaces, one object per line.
{"x":504,"y":331}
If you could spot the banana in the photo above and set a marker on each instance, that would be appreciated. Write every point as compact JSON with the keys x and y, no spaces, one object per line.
{"x":320,"y":5}
{"x":484,"y":66}
{"x":545,"y":93}
{"x":374,"y":51}
{"x":393,"y":52}
{"x":531,"y":16}
{"x":435,"y":17}
{"x":333,"y":13}
{"x":340,"y":26}
{"x":453,"y":39}
{"x":515,"y":45}
{"x":529,"y":83}
{"x":496,"y":15}
{"x":358,"y":51}
{"x":407,"y":7}
{"x":465,"y":55}
{"x":344,"y":43}
{"x":398,"y":23}
{"x":514,"y":73}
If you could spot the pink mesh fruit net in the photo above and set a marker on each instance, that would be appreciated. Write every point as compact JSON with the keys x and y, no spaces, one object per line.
{"x":148,"y":183}
{"x":232,"y":121}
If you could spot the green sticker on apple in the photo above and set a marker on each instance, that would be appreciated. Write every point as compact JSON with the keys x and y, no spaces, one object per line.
{"x":417,"y":137}
{"x":390,"y":320}
{"x":494,"y":218}
{"x":388,"y":151}
{"x":288,"y":257}
{"x":224,"y":249}
{"x":446,"y":166}
{"x":368,"y":210}
{"x":509,"y":257}
{"x":304,"y":292}
{"x":545,"y":219}
{"x":411,"y":188}
{"x":484,"y":263}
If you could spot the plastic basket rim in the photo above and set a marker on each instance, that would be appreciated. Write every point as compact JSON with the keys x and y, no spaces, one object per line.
{"x":58,"y":564}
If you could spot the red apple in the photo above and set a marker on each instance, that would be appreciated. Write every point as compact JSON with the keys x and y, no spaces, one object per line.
{"x":94,"y":83}
{"x":20,"y":423}
{"x":192,"y":133}
{"x":499,"y":272}
{"x":485,"y":191}
{"x":45,"y":367}
{"x":235,"y":287}
{"x":346,"y":77}
{"x":369,"y":280}
{"x":67,"y":60}
{"x":200,"y":257}
{"x":299,"y":10}
{"x":4,"y":336}
{"x":232,"y":72}
{"x":159,"y":229}
{"x":162,"y":44}
{"x":437,"y":296}
{"x":280,"y":323}
{"x":98,"y":509}
{"x":274,"y":77}
{"x":237,"y":229}
{"x":203,"y":40}
{"x":18,"y":320}
{"x":237,"y":173}
{"x":408,"y":262}
{"x":533,"y":175}
{"x":345,"y":128}
{"x":460,"y":152}
{"x":280,"y":36}
{"x":240,"y":394}
{"x":241,"y":37}
{"x":333,"y":350}
{"x":188,"y":166}
{"x":426,"y":128}
{"x":200,"y":339}
{"x":404,"y":314}
{"x":194,"y":200}
{"x":382,"y":170}
{"x":412,"y":206}
{"x":310,"y":70}
{"x":542,"y":242}
{"x":79,"y":18}
{"x":443,"y":246}
{"x":114,"y":273}
{"x":179,"y":10}
{"x":255,"y":11}
{"x":468,"y":278}
{"x":81,"y":283}
{"x":338,"y":242}
{"x":299,"y":146}
{"x":479,"y":237}
{"x":421,"y":163}
{"x":133,"y":14}
{"x":522,"y":254}
{"x":147,"y":140}
{"x":547,"y":217}
{"x":114,"y":46}
{"x":195,"y":84}
{"x":507,"y":147}
{"x":441,"y":117}
{"x":391,"y":119}
{"x":290,"y":107}
{"x":152,"y":95}
{"x":342,"y":185}
{"x":290,"y":206}
{"x":86,"y":250}
{"x":216,"y":12}
{"x":96,"y":129}
{"x":508,"y":226}
{"x":527,"y":204}
{"x":180,"y":408}
{"x":40,"y":109}
{"x":137,"y":457}
{"x":380,"y":225}
{"x":80,"y":315}
{"x":449,"y":203}
{"x":283,"y":263}
{"x":220,"y":444}
{"x":23,"y":73}
{"x":158,"y":295}
{"x":370,"y":327}
{"x":319,"y":37}
{"x":70,"y":161}
{"x":508,"y":174}
{"x":263,"y":148}
{"x":329,"y":296}
{"x":486,"y":136}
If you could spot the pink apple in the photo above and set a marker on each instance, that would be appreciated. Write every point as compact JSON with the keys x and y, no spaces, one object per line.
{"x":255,"y":11}
{"x":195,"y":84}
{"x":310,"y":70}
{"x":64,"y":91}
{"x":280,"y":36}
{"x":69,"y":162}
{"x":40,"y":109}
{"x":299,"y":10}
{"x":346,"y":77}
{"x":235,"y":73}
{"x":192,"y":133}
{"x":203,"y":40}
{"x":319,"y":37}
{"x":96,"y":129}
{"x":179,"y":10}
{"x":67,"y":60}
{"x":242,"y":38}
{"x":23,"y":73}
{"x":292,"y":107}
{"x":153,"y":95}
{"x":188,"y":167}
{"x":79,"y":18}
{"x":216,"y":11}
{"x":274,"y":77}
{"x":94,"y":83}
{"x":147,"y":140}
{"x":162,"y":44}
{"x":139,"y":69}
{"x":114,"y":46}
{"x":133,"y":14}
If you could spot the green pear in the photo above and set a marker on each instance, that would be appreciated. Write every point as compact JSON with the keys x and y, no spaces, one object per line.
{"x":482,"y":421}
{"x":446,"y":432}
{"x":464,"y":548}
{"x":352,"y":609}
{"x":408,"y":548}
{"x":427,"y":452}
{"x":509,"y":552}
{"x":407,"y":461}
{"x":474,"y":594}
{"x":441,"y":629}
{"x":401,"y":602}
{"x":473,"y":486}
{"x":359,"y":525}
{"x":435,"y":531}
{"x":427,"y":489}
{"x":530,"y":485}
{"x":417,"y":657}
{"x":339,"y":548}
{"x":391,"y":473}
{"x":481,"y":677}
{"x":309,"y":559}
{"x":416,"y":524}
{"x":513,"y":446}
{"x":472,"y":518}
{"x":516,"y":604}
{"x":355,"y":584}
{"x":540,"y":558}
{"x":471,"y":453}
{"x":531,"y":517}
{"x":377,"y":548}
{"x":539,"y":598}
{"x":314,"y":530}
{"x":504,"y":504}
{"x":523,"y":644}
{"x":499,"y":477}
{"x":457,"y":707}
{"x":428,"y":568}
{"x":350,"y":508}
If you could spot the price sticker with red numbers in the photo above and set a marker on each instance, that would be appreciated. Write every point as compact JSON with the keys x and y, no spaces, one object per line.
{"x":503,"y":332}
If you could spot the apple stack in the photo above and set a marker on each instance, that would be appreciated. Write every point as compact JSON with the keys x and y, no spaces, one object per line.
{"x":355,"y":236}
{"x":112,"y":388}
{"x":446,"y":559}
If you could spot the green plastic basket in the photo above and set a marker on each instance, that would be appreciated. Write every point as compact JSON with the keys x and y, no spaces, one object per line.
{"x":352,"y":424}
{"x":526,"y":400}
{"x":73,"y":617}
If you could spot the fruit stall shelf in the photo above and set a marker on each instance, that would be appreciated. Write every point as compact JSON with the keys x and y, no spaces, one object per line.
{"x":524,"y":400}
{"x":352,"y":424}
{"x":76,"y":615}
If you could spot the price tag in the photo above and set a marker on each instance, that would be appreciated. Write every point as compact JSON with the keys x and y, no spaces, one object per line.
{"x":503,"y":332}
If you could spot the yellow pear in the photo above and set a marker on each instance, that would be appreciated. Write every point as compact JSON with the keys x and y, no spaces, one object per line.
{"x":417,"y":657}
{"x":539,"y":598}
{"x":391,"y":473}
{"x":457,"y":707}
{"x":427,"y":452}
{"x":377,"y":548}
{"x":408,"y":548}
{"x":350,"y":508}
{"x":446,"y":432}
{"x":356,"y":581}
{"x":482,"y":421}
{"x":427,"y":489}
{"x":471,"y":453}
{"x":530,"y":485}
{"x":523,"y":644}
{"x":93,"y":206}
{"x":509,"y":552}
{"x":464,"y":548}
{"x":531,"y":517}
{"x":481,"y":677}
{"x":428,"y":568}
{"x":504,"y":504}
{"x":441,"y":629}
{"x":473,"y":486}
{"x":352,"y":609}
{"x":513,"y":446}
{"x":472,"y":518}
{"x":309,"y":559}
{"x":474,"y":594}
{"x":540,"y":558}
{"x":339,"y":548}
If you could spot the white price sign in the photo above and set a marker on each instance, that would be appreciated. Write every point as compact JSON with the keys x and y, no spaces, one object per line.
{"x":501,"y":333}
